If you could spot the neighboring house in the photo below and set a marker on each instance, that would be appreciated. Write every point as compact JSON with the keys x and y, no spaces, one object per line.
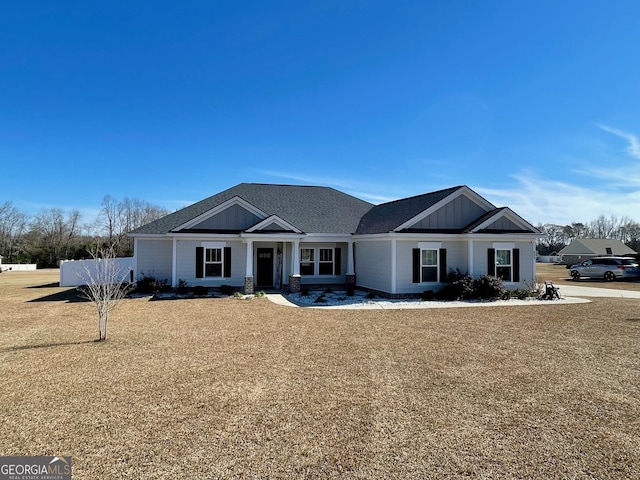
{"x":260,"y":236}
{"x":581,"y":249}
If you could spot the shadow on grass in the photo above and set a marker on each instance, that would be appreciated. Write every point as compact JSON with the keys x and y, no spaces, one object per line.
{"x":45,"y":345}
{"x":72,"y":295}
{"x":46,"y":285}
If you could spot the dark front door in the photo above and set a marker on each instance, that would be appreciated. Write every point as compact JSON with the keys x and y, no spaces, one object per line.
{"x":264,"y":267}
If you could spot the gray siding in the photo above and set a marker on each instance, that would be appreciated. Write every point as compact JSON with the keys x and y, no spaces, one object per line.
{"x":373,"y":265}
{"x":154,"y":259}
{"x":233,"y":218}
{"x":457,"y":257}
{"x":456,"y":214}
{"x":503,"y":224}
{"x":186,"y":264}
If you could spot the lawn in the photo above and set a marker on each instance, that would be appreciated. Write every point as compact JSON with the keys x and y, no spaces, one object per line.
{"x":232,"y":388}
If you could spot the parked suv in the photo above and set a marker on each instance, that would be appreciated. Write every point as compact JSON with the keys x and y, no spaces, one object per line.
{"x":609,"y":268}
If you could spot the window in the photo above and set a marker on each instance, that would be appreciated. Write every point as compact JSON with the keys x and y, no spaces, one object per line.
{"x":503,"y":264}
{"x":429,"y":265}
{"x":307,"y":263}
{"x":319,"y":261}
{"x":213,"y":262}
{"x":325,"y":265}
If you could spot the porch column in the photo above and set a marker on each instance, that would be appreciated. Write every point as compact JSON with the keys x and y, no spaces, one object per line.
{"x":294,"y":279}
{"x":174,"y":263}
{"x":350,"y":278}
{"x":248,"y":278}
{"x":393,"y":265}
{"x":470,"y":258}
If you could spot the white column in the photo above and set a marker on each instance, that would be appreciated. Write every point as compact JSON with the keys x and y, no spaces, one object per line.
{"x":174,"y":263}
{"x":393,"y":265}
{"x":350,"y":269}
{"x":249,"y":258}
{"x":470,"y":257}
{"x":295,"y":268}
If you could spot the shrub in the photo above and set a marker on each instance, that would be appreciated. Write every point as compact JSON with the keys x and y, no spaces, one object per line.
{"x":328,"y":290}
{"x":200,"y":291}
{"x":260,"y":294}
{"x":304,"y":291}
{"x":427,"y":296}
{"x":227,"y":289}
{"x":489,"y":288}
{"x":149,"y":285}
{"x":183,"y":286}
{"x":371,"y":296}
{"x":458,"y":286}
{"x":351,"y":290}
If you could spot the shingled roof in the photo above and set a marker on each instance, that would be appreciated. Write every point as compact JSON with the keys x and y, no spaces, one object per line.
{"x":311,"y":209}
{"x":388,"y":216}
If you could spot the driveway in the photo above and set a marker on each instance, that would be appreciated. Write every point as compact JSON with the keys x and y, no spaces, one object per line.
{"x":584,"y":291}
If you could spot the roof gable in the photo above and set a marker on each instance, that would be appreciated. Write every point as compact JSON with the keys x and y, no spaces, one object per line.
{"x":501,"y":220}
{"x":233,"y":215}
{"x":309,"y":209}
{"x":596,"y":246}
{"x":445,"y":210}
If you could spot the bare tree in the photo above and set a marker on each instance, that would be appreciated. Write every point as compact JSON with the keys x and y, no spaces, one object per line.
{"x":107,"y":283}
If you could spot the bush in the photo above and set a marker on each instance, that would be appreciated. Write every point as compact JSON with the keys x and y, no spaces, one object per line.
{"x":260,"y":294}
{"x":459,"y":286}
{"x":427,"y":296}
{"x":351,"y":290}
{"x":304,"y":291}
{"x":371,"y":296}
{"x":148,"y":285}
{"x":489,"y":288}
{"x":200,"y":291}
{"x":227,"y":289}
{"x":183,"y":286}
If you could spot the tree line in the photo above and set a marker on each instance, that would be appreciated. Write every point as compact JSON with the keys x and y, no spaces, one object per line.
{"x":52,"y":235}
{"x":558,"y":236}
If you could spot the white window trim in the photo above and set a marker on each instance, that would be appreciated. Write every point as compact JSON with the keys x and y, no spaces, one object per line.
{"x":213,"y":246}
{"x":316,"y":259}
{"x":505,"y":246}
{"x":431,"y":246}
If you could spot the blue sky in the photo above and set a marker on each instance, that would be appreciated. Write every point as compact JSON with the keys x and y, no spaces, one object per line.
{"x":533,"y":104}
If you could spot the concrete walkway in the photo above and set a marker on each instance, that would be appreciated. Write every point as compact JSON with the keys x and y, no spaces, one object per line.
{"x":587,"y":291}
{"x":570,"y":294}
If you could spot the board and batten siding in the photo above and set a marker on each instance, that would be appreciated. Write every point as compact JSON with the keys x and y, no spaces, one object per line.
{"x":153,"y":259}
{"x":186,"y":263}
{"x":234,"y":217}
{"x":456,"y":214}
{"x":373,"y":265}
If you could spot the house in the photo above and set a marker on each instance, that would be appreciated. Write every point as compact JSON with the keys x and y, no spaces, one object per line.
{"x":581,"y":249}
{"x":261,"y":236}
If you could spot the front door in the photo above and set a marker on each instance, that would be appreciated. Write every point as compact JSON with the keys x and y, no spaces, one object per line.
{"x":264,"y":267}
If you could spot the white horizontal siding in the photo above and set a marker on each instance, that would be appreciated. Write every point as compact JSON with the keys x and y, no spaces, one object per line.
{"x":186,"y":264}
{"x":373,"y":265}
{"x":154,"y":259}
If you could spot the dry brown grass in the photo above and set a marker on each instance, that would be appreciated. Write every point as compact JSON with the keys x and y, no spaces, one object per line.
{"x":248,"y":389}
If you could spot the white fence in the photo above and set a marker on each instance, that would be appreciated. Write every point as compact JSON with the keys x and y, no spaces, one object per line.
{"x":74,"y":273}
{"x":17,"y":267}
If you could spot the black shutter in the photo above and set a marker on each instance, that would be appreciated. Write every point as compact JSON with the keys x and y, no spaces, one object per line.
{"x":199,"y":262}
{"x":516,"y":264}
{"x":491,"y":262}
{"x":227,"y":262}
{"x":416,"y":265}
{"x":337,"y":261}
{"x":443,"y":264}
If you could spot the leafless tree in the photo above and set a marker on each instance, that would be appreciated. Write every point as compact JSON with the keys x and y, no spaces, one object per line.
{"x":107,"y":283}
